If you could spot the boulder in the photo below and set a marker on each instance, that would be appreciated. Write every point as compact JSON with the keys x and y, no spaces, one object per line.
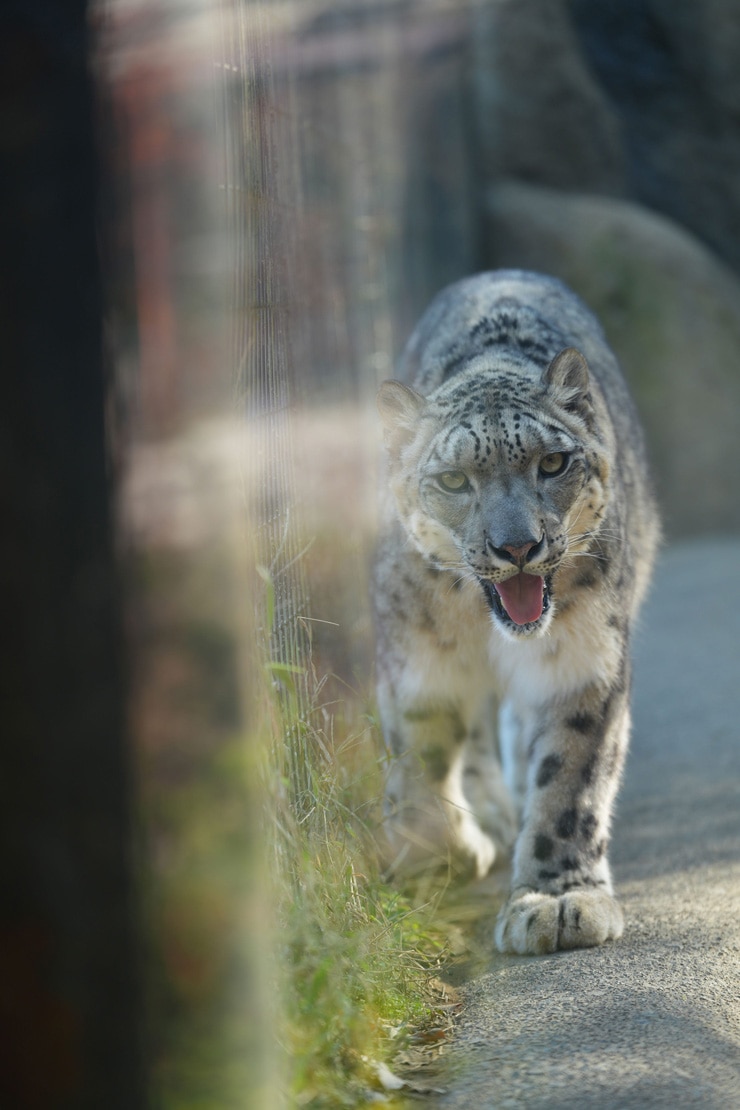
{"x":670,"y":71}
{"x":638,"y":99}
{"x":540,"y":115}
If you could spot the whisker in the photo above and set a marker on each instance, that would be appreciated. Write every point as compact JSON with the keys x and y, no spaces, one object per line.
{"x":462,"y":578}
{"x":584,"y":555}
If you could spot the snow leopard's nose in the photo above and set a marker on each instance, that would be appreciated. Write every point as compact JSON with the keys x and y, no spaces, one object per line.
{"x":519,"y":553}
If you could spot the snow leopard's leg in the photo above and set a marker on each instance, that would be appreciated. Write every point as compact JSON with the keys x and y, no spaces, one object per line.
{"x":428,"y":817}
{"x":562,"y":894}
{"x":486,"y":789}
{"x":514,"y":726}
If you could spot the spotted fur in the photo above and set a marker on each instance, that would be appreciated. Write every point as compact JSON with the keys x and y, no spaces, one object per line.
{"x":517,"y":546}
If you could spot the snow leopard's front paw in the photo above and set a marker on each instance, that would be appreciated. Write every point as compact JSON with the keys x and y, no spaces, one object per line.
{"x":533,"y":923}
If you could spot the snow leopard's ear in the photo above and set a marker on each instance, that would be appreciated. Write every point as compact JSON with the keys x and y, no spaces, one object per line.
{"x":569,"y":371}
{"x":400,"y":408}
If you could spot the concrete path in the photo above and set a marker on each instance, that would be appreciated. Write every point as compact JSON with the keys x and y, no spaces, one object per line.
{"x":653,"y":1020}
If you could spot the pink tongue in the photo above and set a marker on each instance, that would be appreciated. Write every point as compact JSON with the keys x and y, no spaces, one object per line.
{"x":522,"y":597}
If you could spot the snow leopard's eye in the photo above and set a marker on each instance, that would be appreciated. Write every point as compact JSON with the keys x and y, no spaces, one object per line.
{"x":554,"y":463}
{"x":453,"y":481}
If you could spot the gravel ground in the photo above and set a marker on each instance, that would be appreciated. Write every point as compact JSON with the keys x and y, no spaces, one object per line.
{"x":653,"y":1020}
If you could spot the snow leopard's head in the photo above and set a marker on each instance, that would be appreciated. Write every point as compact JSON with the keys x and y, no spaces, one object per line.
{"x":501,"y":475}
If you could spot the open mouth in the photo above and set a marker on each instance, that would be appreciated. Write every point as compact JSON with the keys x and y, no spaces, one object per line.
{"x":520,"y":601}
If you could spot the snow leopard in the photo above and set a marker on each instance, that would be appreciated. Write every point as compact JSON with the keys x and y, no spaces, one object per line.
{"x":517,"y":542}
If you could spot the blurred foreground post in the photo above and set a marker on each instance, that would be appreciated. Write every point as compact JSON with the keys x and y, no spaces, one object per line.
{"x":69,"y":991}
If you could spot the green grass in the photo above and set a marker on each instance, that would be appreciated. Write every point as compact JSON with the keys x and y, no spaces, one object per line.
{"x":356,"y":956}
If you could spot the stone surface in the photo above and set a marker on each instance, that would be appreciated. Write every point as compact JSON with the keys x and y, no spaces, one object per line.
{"x":539,"y":113}
{"x":653,"y":1020}
{"x":638,"y":99}
{"x":671,"y":311}
{"x":668,"y":70}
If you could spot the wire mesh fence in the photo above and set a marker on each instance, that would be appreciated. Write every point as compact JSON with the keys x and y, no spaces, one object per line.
{"x":329,"y":112}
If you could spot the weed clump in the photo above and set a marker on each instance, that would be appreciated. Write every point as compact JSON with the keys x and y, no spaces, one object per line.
{"x":356,"y":956}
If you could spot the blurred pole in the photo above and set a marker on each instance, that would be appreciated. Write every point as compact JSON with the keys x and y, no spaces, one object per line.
{"x":69,"y":995}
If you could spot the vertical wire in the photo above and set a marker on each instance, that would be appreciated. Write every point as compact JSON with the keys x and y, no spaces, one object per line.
{"x":269,"y":192}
